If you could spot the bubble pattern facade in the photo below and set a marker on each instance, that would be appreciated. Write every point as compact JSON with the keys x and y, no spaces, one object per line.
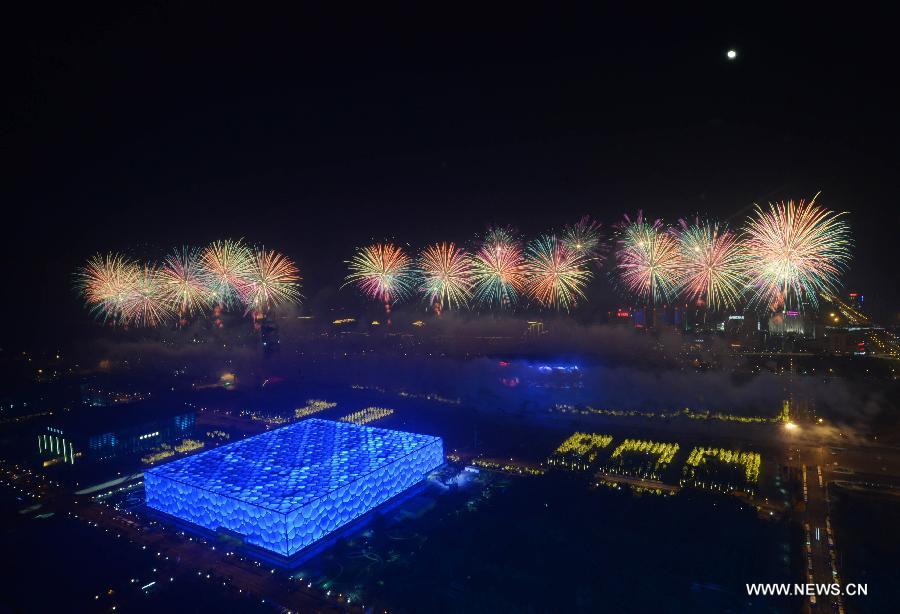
{"x":285,"y":489}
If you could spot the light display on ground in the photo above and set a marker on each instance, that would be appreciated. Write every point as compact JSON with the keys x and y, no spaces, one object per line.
{"x":286,"y":489}
{"x":709,"y":468}
{"x":641,"y":458}
{"x":579,"y":451}
{"x":369,"y":414}
{"x":313,"y":406}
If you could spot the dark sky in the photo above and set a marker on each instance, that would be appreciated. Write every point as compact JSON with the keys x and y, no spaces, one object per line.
{"x":141,"y":129}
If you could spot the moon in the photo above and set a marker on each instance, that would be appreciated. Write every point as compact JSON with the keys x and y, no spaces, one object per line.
{"x":731,"y":54}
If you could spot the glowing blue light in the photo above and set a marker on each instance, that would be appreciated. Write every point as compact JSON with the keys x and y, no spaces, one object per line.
{"x":563,"y":368}
{"x":288,"y":488}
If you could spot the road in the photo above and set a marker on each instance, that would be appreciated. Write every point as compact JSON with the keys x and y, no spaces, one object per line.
{"x":820,"y":551}
{"x":820,"y":467}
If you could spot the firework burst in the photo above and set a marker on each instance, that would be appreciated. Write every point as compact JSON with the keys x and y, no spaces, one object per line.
{"x":498,"y":273}
{"x":649,"y":260}
{"x":500,"y":235}
{"x":383,"y":271}
{"x":273,"y":280}
{"x":797,"y":251}
{"x":147,"y":304}
{"x":186,"y":282}
{"x":555,"y":275}
{"x":105,"y":282}
{"x":228,"y":264}
{"x":714,"y":264}
{"x":584,"y":238}
{"x":446,"y":275}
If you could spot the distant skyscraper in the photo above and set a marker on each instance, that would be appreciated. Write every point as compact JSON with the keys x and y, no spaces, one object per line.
{"x":791,"y":323}
{"x":856,"y":300}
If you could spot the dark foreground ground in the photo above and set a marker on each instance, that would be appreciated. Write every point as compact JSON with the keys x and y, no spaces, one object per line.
{"x":499,"y":544}
{"x":548,"y":543}
{"x":869,"y":543}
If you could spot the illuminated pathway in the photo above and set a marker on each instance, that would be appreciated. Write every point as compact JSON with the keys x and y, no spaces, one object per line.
{"x":819,"y":548}
{"x":192,"y":555}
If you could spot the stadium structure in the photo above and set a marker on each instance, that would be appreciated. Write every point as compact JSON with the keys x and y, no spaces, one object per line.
{"x":286,"y":489}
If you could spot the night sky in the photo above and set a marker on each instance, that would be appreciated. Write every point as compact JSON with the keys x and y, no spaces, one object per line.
{"x":142,"y":129}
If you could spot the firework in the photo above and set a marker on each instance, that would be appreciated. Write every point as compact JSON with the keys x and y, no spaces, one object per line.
{"x":147,"y":303}
{"x":796,"y":252}
{"x":228,"y":264}
{"x":714,"y":264}
{"x":446,"y":275}
{"x":555,"y":275}
{"x":583,"y":238}
{"x":499,"y":235}
{"x":498,"y":271}
{"x":383,"y":271}
{"x":186,"y":282}
{"x":105,"y":282}
{"x":649,"y":260}
{"x":273,"y":280}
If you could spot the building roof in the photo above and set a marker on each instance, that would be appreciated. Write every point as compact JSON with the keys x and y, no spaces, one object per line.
{"x":289,"y":467}
{"x":88,"y":420}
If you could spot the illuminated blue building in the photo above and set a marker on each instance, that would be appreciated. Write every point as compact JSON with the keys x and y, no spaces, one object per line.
{"x":288,"y":488}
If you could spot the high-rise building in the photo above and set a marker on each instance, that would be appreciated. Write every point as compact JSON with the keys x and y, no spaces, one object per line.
{"x":795,"y":323}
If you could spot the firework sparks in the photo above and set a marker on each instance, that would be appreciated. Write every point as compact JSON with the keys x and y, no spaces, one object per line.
{"x":500,"y":235}
{"x":105,"y":282}
{"x":797,"y":251}
{"x":186,"y":282}
{"x":583,"y":238}
{"x":146,"y":304}
{"x":498,"y":273}
{"x":383,"y":271}
{"x":273,"y":280}
{"x":714,"y":264}
{"x":446,"y":273}
{"x":649,"y":260}
{"x":229,"y":264}
{"x":555,"y":275}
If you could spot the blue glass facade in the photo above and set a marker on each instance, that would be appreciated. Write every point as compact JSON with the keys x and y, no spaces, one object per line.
{"x":286,"y":489}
